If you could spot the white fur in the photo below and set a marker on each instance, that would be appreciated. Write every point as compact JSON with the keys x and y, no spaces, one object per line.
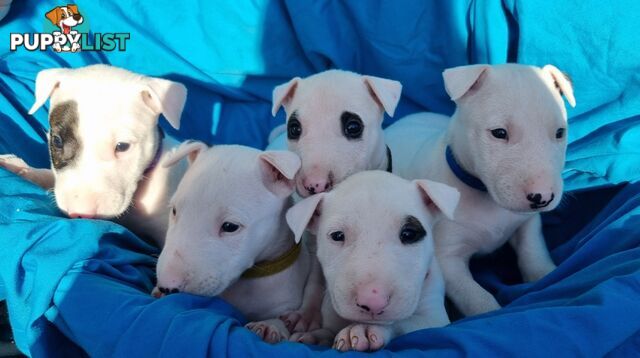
{"x":371,"y":208}
{"x":525,"y":101}
{"x":114,"y":105}
{"x":319,"y":101}
{"x":248,"y":188}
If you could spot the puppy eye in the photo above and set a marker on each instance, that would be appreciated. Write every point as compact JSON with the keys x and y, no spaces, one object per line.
{"x":122,"y":147}
{"x":500,"y":133}
{"x":352,"y":126}
{"x":560,"y":133}
{"x":294,"y":128}
{"x":57,"y":142}
{"x":229,"y":227}
{"x":337,"y":236}
{"x":173,"y":211}
{"x":412,"y":231}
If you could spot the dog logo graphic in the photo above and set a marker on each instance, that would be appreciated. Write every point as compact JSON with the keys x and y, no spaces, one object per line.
{"x":65,"y":18}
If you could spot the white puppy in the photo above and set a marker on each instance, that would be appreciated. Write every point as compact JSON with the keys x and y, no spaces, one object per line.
{"x":105,"y":145}
{"x":228,"y":236}
{"x":375,"y":245}
{"x":504,"y":150}
{"x":334,"y":123}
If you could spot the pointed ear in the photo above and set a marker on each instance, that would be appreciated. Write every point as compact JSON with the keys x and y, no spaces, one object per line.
{"x":278,"y":169}
{"x":53,"y":15}
{"x":385,"y":92}
{"x":283,"y":94}
{"x":562,"y":82}
{"x":47,"y":82}
{"x":458,"y":81}
{"x":190,"y":149}
{"x":166,"y":97}
{"x":304,"y":216}
{"x":438,"y":197}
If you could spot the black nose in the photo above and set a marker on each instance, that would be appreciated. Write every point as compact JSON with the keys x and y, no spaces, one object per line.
{"x":364,"y":307}
{"x":77,"y":17}
{"x":168,"y":291}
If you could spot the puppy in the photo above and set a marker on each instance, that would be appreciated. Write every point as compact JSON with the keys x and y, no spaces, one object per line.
{"x":227,"y":234}
{"x":375,"y":246}
{"x":105,"y":145}
{"x":504,"y":150}
{"x":334,"y":123}
{"x":65,"y":18}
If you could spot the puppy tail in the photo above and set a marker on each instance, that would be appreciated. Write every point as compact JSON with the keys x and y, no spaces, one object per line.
{"x":275,"y":132}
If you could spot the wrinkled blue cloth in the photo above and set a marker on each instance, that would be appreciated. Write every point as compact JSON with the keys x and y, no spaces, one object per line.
{"x":77,"y":287}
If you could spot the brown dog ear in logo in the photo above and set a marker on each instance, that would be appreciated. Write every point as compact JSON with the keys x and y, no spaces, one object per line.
{"x":73,"y":9}
{"x":55,"y":15}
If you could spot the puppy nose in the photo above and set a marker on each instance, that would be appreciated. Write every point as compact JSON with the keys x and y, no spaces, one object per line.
{"x":77,"y":17}
{"x":83,"y":215}
{"x":538,"y":200}
{"x":372,"y":299}
{"x":167,"y":290}
{"x":317,"y":185}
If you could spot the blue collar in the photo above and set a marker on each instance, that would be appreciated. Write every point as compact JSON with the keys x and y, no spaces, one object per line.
{"x":462,"y":174}
{"x":156,"y":157}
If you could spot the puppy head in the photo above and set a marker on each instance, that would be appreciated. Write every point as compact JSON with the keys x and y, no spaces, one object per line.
{"x":103,"y":133}
{"x":65,"y":17}
{"x":227,"y":211}
{"x":334,"y":124}
{"x":374,"y":241}
{"x":510,"y":130}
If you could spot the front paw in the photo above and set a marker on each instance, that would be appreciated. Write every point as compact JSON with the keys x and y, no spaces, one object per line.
{"x":320,"y":337}
{"x":362,"y":337}
{"x":14,"y":164}
{"x":271,"y":331}
{"x":302,"y":320}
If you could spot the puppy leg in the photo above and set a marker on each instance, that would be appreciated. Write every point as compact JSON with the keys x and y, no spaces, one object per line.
{"x":271,"y":331}
{"x":533,"y":257}
{"x":41,"y":177}
{"x":470,"y":298}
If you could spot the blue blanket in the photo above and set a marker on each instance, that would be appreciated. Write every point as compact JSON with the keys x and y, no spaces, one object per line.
{"x":81,"y":287}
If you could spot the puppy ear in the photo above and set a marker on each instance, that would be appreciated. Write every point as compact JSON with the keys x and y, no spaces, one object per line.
{"x":54,"y":15}
{"x":278,"y":169}
{"x":439,"y":197}
{"x":73,"y":8}
{"x":458,"y":81}
{"x":190,"y":149}
{"x":283,"y":94}
{"x":385,"y":92}
{"x":47,"y":81}
{"x":562,"y":82}
{"x":166,"y":97}
{"x":304,"y":216}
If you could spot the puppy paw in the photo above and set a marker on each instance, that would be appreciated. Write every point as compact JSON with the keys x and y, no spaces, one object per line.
{"x":14,"y":164}
{"x":41,"y":177}
{"x":270,"y":331}
{"x":302,"y":320}
{"x":362,"y":337}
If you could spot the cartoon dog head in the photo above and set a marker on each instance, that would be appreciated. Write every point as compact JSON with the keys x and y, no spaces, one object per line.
{"x":65,"y":17}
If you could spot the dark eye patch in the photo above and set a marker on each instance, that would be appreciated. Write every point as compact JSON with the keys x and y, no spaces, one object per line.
{"x":352,"y":126}
{"x":64,"y":141}
{"x":412,"y":231}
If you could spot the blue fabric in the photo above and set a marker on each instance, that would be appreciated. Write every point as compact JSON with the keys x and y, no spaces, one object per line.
{"x":79,"y":287}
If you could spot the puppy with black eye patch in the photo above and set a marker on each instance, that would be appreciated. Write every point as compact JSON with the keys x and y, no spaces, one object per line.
{"x":376,"y":250}
{"x":105,"y":144}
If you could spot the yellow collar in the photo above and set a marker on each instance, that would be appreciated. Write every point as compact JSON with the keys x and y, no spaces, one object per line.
{"x":268,"y":268}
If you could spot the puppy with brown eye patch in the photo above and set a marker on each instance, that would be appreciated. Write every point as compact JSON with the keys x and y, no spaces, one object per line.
{"x":375,"y":248}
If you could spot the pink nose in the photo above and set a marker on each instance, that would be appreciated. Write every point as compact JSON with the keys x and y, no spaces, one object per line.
{"x":316,"y":184}
{"x":84,"y":215}
{"x":83,"y":206}
{"x":372,"y":298}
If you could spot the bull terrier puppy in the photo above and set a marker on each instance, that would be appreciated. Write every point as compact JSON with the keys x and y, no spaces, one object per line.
{"x":376,"y":249}
{"x":105,"y":144}
{"x":375,"y":246}
{"x":504,"y":150}
{"x":227,"y":234}
{"x":334,"y":123}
